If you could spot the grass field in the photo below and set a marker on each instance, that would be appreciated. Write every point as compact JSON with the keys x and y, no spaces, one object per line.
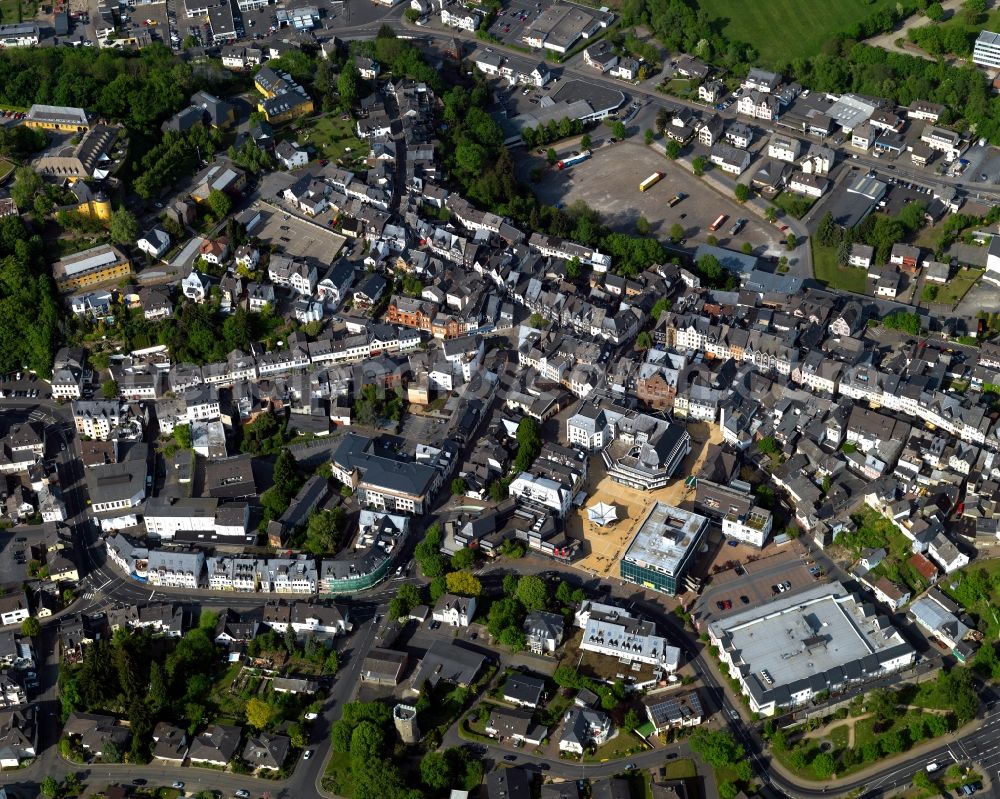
{"x":951,"y":292}
{"x":782,"y":30}
{"x":6,"y":167}
{"x":826,"y":269}
{"x":331,"y":137}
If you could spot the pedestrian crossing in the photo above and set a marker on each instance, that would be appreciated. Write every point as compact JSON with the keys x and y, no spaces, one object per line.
{"x":90,"y":595}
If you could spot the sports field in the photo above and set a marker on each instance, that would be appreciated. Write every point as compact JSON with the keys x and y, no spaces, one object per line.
{"x":782,"y":30}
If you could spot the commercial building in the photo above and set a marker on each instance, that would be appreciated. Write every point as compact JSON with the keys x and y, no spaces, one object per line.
{"x":168,"y":517}
{"x":21,"y":34}
{"x":661,"y":551}
{"x":986,"y":52}
{"x":639,"y":450}
{"x":735,"y":510}
{"x":560,"y":26}
{"x":100,"y":264}
{"x":382,"y":479}
{"x":116,"y":486}
{"x":805,"y":643}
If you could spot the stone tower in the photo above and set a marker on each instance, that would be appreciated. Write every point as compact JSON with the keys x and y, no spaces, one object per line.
{"x":405,"y":719}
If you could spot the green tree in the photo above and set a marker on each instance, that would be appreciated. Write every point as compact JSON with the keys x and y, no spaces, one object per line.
{"x":747,"y":248}
{"x":50,"y":787}
{"x":929,"y":293}
{"x":31,"y":627}
{"x":881,"y":703}
{"x":823,"y":766}
{"x":742,"y":192}
{"x":648,"y":136}
{"x":922,"y":779}
{"x":324,"y":531}
{"x":124,"y":227}
{"x":673,"y":149}
{"x":771,"y":214}
{"x":585,"y":142}
{"x":676,"y":233}
{"x":573,"y":268}
{"x":458,"y":487}
{"x":661,"y":305}
{"x":790,"y":241}
{"x":643,"y":341}
{"x":435,"y":771}
{"x":642,"y":226}
{"x":109,"y":389}
{"x":348,"y":86}
{"x":463,"y":583}
{"x":182,"y":435}
{"x":934,"y":12}
{"x":464,"y":558}
{"x":618,"y":129}
{"x":532,"y":592}
{"x":632,"y":719}
{"x":551,"y":156}
{"x":219,"y":204}
{"x":27,"y":184}
{"x":698,"y":165}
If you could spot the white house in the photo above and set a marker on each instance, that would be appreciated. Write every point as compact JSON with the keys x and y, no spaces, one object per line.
{"x":155,"y":243}
{"x":455,"y":611}
{"x":993,"y":261}
{"x":943,"y":552}
{"x":455,"y":16}
{"x":784,"y":148}
{"x":195,"y":287}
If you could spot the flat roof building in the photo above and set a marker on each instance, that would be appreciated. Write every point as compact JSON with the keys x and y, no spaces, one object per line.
{"x":807,"y":642}
{"x":986,"y":52}
{"x":663,"y":547}
{"x":21,"y":34}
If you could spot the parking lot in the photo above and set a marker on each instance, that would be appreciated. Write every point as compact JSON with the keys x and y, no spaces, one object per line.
{"x":513,"y":18}
{"x":751,"y":583}
{"x":609,"y":182}
{"x":295,"y":237}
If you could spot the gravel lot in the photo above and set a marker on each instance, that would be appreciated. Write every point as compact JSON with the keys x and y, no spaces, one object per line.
{"x":610,"y":181}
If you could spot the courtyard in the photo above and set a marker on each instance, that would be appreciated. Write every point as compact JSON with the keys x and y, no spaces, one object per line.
{"x":604,"y":546}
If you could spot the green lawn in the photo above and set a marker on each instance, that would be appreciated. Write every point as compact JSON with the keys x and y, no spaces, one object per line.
{"x":826,"y":269}
{"x":337,"y":778}
{"x":783,"y":30}
{"x":9,"y":11}
{"x":622,"y":745}
{"x":331,"y":137}
{"x":839,"y":736}
{"x":794,"y":204}
{"x":953,"y":291}
{"x":681,"y":770}
{"x":6,"y":167}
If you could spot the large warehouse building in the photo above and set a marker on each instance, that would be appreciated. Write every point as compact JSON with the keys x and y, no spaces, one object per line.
{"x":799,"y":645}
{"x":663,"y":548}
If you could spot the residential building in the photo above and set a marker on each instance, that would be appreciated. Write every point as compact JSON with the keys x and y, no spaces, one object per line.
{"x":583,"y":728}
{"x":615,"y":633}
{"x":672,"y":708}
{"x":741,"y":518}
{"x":544,"y":631}
{"x":455,"y":611}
